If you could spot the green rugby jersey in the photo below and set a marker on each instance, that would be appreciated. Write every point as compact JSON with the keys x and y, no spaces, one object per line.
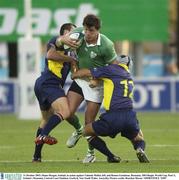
{"x":90,"y":56}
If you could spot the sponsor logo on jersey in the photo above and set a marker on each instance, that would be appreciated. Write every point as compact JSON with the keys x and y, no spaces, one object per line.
{"x":93,"y":55}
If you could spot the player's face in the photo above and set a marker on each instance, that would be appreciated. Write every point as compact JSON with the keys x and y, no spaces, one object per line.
{"x":91,"y":34}
{"x":67,"y":31}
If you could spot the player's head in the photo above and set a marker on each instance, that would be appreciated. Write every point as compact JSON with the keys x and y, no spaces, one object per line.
{"x":66,"y":28}
{"x":123,"y":59}
{"x":92,"y":25}
{"x":92,"y":20}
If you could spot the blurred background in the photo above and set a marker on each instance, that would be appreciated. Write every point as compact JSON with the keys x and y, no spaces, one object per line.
{"x":148,"y":31}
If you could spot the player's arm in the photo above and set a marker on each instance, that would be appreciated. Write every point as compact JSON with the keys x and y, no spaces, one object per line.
{"x":57,"y":56}
{"x":54,"y":55}
{"x":86,"y":73}
{"x":81,"y":73}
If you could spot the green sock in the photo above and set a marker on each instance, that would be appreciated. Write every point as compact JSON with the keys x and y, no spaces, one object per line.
{"x":75,"y":122}
{"x":90,"y":149}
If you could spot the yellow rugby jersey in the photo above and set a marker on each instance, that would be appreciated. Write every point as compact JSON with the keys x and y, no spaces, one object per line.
{"x":56,"y":67}
{"x":59,"y":69}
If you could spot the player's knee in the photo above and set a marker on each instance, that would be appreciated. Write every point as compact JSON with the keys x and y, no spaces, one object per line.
{"x":64,"y":113}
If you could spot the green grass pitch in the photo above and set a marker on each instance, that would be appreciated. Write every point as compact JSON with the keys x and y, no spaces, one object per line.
{"x":161,"y":132}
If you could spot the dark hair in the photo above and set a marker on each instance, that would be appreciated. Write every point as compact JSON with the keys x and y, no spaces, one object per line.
{"x":66,"y":26}
{"x":91,"y":20}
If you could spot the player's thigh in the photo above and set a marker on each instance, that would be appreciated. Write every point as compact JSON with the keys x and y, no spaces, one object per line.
{"x":103,"y":127}
{"x":60,"y":106}
{"x":74,"y":101}
{"x":90,"y":94}
{"x":91,"y":111}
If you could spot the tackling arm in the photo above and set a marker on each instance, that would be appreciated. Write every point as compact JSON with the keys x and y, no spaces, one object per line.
{"x":52,"y":54}
{"x":85,"y":73}
{"x":81,"y":73}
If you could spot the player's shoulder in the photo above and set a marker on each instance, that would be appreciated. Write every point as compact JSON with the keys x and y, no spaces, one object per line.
{"x":52,"y":40}
{"x":105,"y":40}
{"x":52,"y":43}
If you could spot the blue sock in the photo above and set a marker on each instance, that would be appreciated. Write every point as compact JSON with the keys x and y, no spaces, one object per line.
{"x":139,"y":144}
{"x":54,"y":120}
{"x":38,"y":147}
{"x":39,"y":130}
{"x":100,"y":145}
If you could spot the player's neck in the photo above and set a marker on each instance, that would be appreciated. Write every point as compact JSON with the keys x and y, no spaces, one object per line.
{"x":93,"y":41}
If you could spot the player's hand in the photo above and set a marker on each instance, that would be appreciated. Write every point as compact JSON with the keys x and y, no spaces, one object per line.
{"x":75,"y":75}
{"x":65,"y":39}
{"x":93,"y":83}
{"x":81,"y":73}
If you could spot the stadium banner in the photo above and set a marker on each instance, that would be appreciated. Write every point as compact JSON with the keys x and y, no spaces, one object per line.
{"x":29,"y":70}
{"x":121,"y":19}
{"x":150,"y":95}
{"x":159,"y":94}
{"x":4,"y":64}
{"x":9,"y":99}
{"x":154,"y":95}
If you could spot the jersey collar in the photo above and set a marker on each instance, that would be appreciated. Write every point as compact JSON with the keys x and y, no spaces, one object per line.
{"x":97,"y":44}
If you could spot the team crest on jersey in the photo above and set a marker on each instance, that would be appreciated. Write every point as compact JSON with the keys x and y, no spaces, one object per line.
{"x":93,"y":54}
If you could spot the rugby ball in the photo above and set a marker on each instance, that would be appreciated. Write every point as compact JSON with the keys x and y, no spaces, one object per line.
{"x":76,"y":36}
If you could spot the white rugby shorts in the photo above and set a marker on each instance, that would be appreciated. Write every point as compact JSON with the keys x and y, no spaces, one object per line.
{"x":91,"y":94}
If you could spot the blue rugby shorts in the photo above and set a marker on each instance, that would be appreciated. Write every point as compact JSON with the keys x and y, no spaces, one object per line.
{"x":112,"y":123}
{"x":47,"y":91}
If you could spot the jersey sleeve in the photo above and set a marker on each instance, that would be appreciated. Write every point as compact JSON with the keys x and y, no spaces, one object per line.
{"x":110,"y":53}
{"x":52,"y":43}
{"x":101,"y":72}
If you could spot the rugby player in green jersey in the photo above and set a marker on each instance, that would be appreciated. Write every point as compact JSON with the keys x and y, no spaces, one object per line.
{"x":93,"y":50}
